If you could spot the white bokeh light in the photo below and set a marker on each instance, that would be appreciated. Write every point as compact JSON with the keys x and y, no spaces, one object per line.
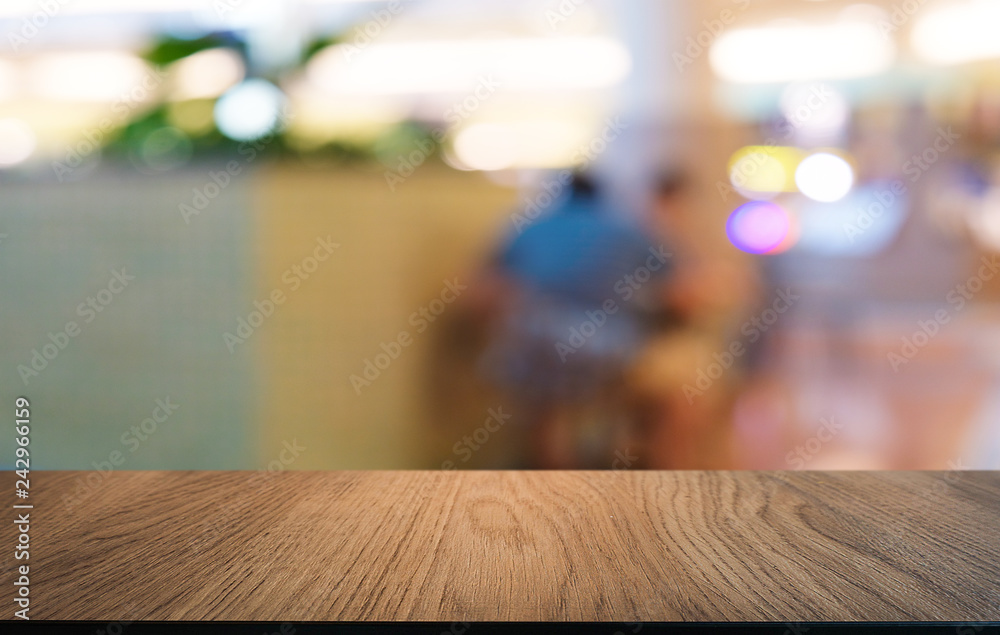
{"x":250,"y":110}
{"x":801,"y":52}
{"x":522,"y":144}
{"x":957,"y":32}
{"x":824,"y":177}
{"x":92,"y":76}
{"x":815,"y":110}
{"x":207,"y":74}
{"x":17,"y":142}
{"x":453,"y":66}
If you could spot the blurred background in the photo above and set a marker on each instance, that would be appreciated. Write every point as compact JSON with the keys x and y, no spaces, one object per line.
{"x":320,"y":234}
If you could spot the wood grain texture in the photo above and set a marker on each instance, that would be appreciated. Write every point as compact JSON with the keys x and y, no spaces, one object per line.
{"x":728,"y":546}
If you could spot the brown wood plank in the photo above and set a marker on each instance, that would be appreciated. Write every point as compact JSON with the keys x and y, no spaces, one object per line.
{"x":728,"y":546}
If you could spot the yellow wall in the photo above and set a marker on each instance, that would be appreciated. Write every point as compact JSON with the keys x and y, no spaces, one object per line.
{"x":395,"y":251}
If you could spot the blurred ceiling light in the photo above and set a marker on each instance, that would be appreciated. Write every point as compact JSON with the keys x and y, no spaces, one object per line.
{"x":760,"y":172}
{"x":758,"y":227}
{"x":17,"y":142}
{"x":958,"y":32}
{"x":206,"y":74}
{"x":457,"y":66}
{"x":801,"y":52}
{"x":824,"y":177}
{"x":526,"y":144}
{"x":250,"y":110}
{"x":95,"y":76}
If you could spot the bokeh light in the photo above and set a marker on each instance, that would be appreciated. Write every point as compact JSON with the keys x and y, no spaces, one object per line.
{"x":758,"y":227}
{"x":453,"y":65}
{"x":801,"y":52}
{"x":761,"y":172}
{"x":194,"y":117}
{"x":816,"y":111}
{"x":92,"y":76}
{"x":824,"y":177}
{"x":957,"y":32}
{"x":250,"y":110}
{"x":522,"y":144}
{"x":206,"y":74}
{"x":862,"y":223}
{"x":17,"y":142}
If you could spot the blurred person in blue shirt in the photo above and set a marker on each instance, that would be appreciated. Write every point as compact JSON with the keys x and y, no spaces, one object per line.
{"x":574,"y":290}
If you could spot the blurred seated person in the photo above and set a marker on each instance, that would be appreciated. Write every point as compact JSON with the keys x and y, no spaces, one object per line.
{"x":681,"y":416}
{"x":567,"y":321}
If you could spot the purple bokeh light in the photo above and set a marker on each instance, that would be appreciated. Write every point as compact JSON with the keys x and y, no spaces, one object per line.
{"x":758,"y":227}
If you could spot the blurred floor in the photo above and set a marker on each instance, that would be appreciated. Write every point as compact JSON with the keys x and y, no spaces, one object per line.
{"x":938,"y":411}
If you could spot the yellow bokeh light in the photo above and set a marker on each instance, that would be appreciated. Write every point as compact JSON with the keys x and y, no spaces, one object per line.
{"x":193,"y":117}
{"x":764,"y":169}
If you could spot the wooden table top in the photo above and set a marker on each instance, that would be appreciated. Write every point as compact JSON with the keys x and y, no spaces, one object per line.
{"x":443,"y":546}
